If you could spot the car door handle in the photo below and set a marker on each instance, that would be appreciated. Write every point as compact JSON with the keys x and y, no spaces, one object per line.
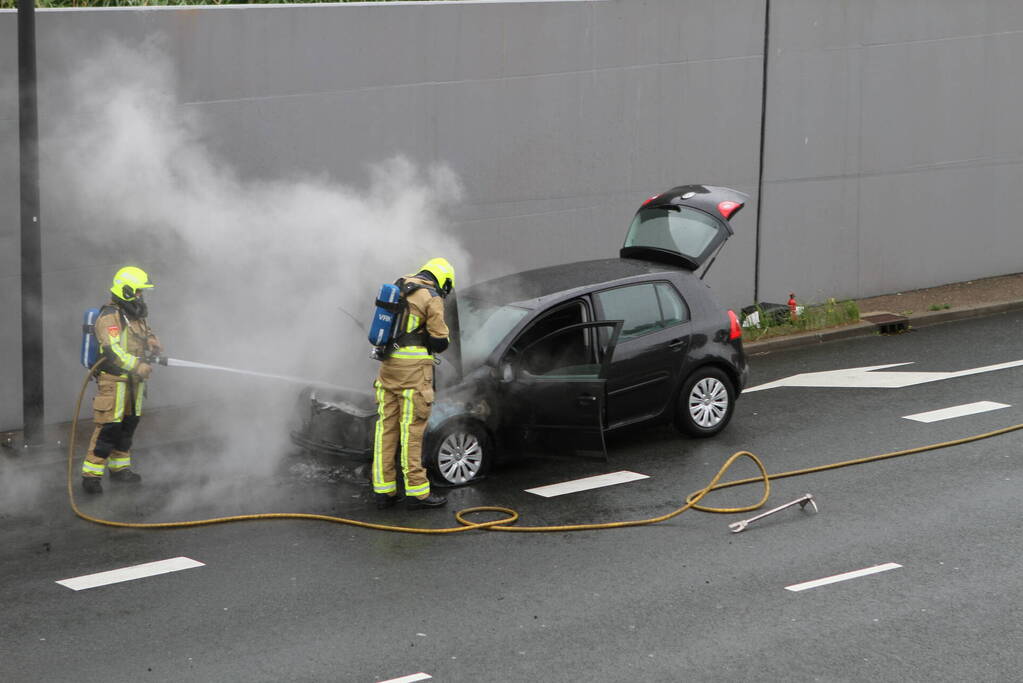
{"x":677,"y":344}
{"x":586,"y":399}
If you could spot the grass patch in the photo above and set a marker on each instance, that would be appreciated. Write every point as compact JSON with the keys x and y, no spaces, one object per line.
{"x":939,"y":307}
{"x":814,"y":317}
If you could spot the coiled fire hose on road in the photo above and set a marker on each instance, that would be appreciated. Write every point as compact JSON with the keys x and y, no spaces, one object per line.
{"x":506,"y":523}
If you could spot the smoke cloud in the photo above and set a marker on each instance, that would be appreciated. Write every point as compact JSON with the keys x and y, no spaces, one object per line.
{"x":257,"y":273}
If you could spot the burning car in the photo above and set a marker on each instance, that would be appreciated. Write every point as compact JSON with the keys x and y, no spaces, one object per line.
{"x":554,"y":358}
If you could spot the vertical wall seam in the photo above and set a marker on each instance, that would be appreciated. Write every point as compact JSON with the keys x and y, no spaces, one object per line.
{"x":760,"y":170}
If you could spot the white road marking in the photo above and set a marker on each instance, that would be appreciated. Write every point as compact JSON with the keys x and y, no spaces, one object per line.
{"x":956,"y":411}
{"x":586,"y":484}
{"x":869,"y":378}
{"x":139,"y":571}
{"x":842,"y":577}
{"x":410,"y":679}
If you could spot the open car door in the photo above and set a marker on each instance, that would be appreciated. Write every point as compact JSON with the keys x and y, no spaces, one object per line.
{"x":556,"y":389}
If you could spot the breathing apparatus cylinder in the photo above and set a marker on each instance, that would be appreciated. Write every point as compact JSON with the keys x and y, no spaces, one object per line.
{"x":90,"y":345}
{"x":381,"y":328}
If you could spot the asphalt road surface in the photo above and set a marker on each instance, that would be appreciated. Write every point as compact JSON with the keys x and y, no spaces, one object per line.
{"x":682,"y":600}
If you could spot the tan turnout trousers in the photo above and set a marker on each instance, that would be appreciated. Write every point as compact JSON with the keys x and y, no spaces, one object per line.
{"x":404,"y":392}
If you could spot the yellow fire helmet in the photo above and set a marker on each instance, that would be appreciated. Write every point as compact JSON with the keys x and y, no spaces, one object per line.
{"x":128,"y":281}
{"x":443,"y":272}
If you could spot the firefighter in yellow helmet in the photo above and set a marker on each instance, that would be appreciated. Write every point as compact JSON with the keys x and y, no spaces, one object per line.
{"x":125,"y":341}
{"x":404,"y":387}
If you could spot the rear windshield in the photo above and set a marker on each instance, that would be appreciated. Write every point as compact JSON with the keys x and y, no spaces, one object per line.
{"x":686,"y":231}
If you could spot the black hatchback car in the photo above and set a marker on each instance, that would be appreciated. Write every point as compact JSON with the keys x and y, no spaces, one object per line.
{"x":556,"y":357}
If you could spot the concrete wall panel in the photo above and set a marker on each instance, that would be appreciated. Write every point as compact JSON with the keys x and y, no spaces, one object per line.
{"x":889,"y":124}
{"x":893,"y":141}
{"x":924,"y":105}
{"x":818,"y":134}
{"x":815,"y":231}
{"x":558,"y":117}
{"x":10,"y":226}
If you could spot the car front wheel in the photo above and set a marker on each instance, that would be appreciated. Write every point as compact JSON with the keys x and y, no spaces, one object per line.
{"x":458,"y":453}
{"x":706,"y":403}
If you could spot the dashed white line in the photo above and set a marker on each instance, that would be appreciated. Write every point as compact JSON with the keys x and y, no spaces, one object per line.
{"x":138,"y":571}
{"x":842,"y":577}
{"x":957,"y":411}
{"x":587,"y":483}
{"x":410,"y":679}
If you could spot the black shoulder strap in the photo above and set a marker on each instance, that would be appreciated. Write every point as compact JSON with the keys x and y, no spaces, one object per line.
{"x":418,"y":335}
{"x":409,"y":287}
{"x":103,"y":310}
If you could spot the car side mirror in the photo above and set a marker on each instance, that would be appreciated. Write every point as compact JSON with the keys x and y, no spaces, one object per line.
{"x":507,"y":372}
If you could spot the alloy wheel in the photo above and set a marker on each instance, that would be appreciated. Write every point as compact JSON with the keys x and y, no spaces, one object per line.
{"x":460,"y":457}
{"x":708,"y":402}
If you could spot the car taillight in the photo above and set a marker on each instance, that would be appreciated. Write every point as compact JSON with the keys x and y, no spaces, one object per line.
{"x":736,"y":330}
{"x":727,"y":208}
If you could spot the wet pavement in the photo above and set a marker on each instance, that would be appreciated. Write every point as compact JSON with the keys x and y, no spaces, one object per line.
{"x":686,"y":599}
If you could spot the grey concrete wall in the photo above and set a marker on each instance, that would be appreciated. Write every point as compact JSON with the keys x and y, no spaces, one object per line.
{"x":559,"y":117}
{"x":893,"y":145}
{"x":10,"y":258}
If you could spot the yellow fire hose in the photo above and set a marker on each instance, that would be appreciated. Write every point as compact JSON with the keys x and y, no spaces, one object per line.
{"x":505,"y":523}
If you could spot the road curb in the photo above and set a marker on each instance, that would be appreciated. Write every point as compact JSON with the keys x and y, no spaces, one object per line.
{"x":864,"y":329}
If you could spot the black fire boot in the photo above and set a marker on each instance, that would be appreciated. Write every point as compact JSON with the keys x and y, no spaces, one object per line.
{"x":431,"y":501}
{"x":92,"y":484}
{"x":385,"y":501}
{"x":125,"y":476}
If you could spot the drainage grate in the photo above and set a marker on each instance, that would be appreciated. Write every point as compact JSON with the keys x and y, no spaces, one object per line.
{"x":888,"y":323}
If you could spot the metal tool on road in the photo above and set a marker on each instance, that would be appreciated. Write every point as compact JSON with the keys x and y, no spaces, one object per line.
{"x":736,"y":527}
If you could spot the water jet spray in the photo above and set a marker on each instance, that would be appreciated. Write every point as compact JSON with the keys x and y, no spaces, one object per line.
{"x":178,"y":363}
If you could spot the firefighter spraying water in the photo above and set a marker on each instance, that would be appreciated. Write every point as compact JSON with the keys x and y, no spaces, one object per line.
{"x":120,"y":349}
{"x":117,"y":343}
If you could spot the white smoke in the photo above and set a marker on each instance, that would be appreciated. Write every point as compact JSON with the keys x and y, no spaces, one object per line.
{"x":140,"y":170}
{"x":250,"y":273}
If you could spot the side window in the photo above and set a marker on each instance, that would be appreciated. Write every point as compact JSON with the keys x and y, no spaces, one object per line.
{"x":637,"y":305}
{"x":644,"y":308}
{"x":564,"y":315}
{"x":673,"y":309}
{"x":569,"y":353}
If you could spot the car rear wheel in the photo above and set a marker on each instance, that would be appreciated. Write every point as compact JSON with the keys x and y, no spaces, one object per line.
{"x":458,"y":454}
{"x":706,"y":403}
